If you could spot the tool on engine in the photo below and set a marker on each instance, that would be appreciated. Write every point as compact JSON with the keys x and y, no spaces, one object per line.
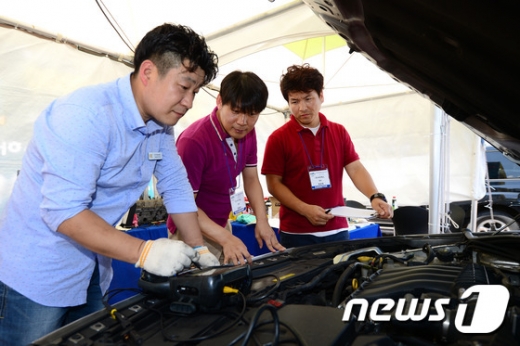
{"x":198,"y":289}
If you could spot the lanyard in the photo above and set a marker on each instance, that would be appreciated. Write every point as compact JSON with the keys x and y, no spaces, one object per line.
{"x":307,"y":151}
{"x":226,"y":154}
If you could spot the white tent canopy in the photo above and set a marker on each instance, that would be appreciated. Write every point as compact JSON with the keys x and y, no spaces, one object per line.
{"x":390,"y":125}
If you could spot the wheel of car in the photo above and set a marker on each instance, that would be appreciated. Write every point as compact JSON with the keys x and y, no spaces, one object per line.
{"x":486,"y":224}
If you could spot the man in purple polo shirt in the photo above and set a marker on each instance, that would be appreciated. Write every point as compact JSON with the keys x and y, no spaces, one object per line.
{"x":219,"y":152}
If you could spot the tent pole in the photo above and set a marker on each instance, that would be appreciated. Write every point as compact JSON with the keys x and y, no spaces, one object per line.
{"x":436,"y":189}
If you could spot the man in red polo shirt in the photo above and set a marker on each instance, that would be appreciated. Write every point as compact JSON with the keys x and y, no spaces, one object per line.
{"x":304,"y":161}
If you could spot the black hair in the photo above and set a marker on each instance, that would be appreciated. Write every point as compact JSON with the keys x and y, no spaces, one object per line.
{"x":244,"y":91}
{"x":169,"y":45}
{"x":301,"y":78}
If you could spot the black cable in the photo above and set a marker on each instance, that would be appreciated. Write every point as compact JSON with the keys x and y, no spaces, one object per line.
{"x":206,"y":337}
{"x":109,"y":294}
{"x":252,"y":325}
{"x":128,"y":329}
{"x":295,"y":339}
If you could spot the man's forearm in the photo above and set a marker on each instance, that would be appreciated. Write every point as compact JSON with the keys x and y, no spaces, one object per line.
{"x":188,"y":226}
{"x":212,"y":230}
{"x":95,"y":234}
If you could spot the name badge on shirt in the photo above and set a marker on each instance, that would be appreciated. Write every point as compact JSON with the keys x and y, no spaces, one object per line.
{"x":238,"y":203}
{"x":320,"y":178}
{"x":154,"y":156}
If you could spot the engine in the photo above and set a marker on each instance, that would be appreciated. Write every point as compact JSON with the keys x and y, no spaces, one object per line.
{"x":421,"y":295}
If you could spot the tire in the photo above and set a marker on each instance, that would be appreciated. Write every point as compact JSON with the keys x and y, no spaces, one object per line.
{"x":485,"y":223}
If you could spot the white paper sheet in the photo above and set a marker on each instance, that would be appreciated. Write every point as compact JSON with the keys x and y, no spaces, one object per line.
{"x":352,"y":212}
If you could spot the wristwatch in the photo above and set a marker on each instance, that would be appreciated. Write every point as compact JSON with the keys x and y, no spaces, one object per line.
{"x":378,"y":195}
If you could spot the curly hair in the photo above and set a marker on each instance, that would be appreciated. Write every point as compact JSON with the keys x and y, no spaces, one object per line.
{"x":301,"y":78}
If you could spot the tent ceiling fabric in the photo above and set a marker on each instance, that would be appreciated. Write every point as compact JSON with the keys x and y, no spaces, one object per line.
{"x":246,"y":35}
{"x":242,"y":33}
{"x":255,"y":24}
{"x":313,"y":46}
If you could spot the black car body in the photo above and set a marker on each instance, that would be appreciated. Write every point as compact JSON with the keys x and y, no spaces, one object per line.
{"x":463,"y":55}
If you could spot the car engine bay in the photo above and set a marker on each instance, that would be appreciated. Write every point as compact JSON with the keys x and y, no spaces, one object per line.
{"x":402,"y":290}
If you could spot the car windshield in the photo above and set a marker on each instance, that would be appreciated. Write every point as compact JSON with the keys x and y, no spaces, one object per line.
{"x":499,"y":166}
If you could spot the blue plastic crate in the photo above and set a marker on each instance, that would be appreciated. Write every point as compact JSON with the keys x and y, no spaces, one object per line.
{"x":246,"y":233}
{"x":371,"y":230}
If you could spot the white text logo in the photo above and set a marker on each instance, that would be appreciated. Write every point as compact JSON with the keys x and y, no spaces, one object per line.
{"x":488,"y":314}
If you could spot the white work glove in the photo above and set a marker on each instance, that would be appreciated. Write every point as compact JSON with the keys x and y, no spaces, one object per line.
{"x":166,"y":257}
{"x":206,"y":258}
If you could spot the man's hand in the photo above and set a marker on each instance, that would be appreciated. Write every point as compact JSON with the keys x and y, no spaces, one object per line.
{"x":235,"y":251}
{"x":383,"y":209}
{"x":165,"y":257}
{"x":316,"y":215}
{"x":264,"y":233}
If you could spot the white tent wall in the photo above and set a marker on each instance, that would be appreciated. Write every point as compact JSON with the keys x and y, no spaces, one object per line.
{"x":33,"y":72}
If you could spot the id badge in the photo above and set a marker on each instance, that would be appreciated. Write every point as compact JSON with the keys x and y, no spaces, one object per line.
{"x":154,"y":156}
{"x":320,"y":178}
{"x":238,"y":203}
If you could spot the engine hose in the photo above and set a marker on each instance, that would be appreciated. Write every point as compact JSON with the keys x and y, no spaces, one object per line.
{"x":340,"y":285}
{"x":316,"y":280}
{"x":403,"y":260}
{"x":431,"y":253}
{"x":363,"y":285}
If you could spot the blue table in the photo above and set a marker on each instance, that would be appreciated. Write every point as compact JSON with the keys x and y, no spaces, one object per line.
{"x":247,"y":234}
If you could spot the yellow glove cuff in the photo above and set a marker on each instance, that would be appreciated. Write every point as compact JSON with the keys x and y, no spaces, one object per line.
{"x":202,"y":250}
{"x":144,"y":254}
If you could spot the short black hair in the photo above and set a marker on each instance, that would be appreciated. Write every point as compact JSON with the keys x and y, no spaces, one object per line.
{"x":244,"y":91}
{"x":301,"y":78}
{"x":169,"y":45}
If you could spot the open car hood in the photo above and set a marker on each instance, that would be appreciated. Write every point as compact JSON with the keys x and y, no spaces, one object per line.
{"x":463,"y":55}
